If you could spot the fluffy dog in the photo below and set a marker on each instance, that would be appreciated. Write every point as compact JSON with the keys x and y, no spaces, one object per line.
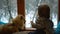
{"x":19,"y":21}
{"x":17,"y":25}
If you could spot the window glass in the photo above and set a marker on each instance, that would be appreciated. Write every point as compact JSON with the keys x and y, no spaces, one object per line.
{"x":31,"y":10}
{"x":8,"y":10}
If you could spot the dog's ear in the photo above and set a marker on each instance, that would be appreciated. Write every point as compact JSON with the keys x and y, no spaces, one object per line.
{"x":21,"y":17}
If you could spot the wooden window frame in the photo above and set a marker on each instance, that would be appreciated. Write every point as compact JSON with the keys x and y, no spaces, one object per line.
{"x":59,"y":9}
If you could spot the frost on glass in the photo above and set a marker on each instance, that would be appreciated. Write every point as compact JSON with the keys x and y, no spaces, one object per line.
{"x":31,"y":10}
{"x":8,"y":10}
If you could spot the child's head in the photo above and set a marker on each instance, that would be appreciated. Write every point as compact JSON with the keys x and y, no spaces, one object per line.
{"x":44,"y":11}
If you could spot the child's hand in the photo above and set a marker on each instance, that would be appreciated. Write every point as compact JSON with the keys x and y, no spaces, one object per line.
{"x":32,"y":22}
{"x":33,"y":25}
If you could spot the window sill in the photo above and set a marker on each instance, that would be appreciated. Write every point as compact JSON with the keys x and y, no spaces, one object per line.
{"x":30,"y":29}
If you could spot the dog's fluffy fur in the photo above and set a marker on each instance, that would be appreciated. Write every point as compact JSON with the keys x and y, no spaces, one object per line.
{"x":17,"y":23}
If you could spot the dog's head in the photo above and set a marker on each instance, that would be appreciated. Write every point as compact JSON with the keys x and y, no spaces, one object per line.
{"x":19,"y":21}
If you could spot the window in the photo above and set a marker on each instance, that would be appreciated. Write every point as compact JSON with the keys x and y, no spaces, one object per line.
{"x":8,"y":10}
{"x":31,"y":9}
